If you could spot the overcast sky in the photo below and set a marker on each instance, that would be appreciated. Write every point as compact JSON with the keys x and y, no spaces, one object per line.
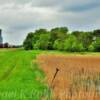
{"x":18,"y":17}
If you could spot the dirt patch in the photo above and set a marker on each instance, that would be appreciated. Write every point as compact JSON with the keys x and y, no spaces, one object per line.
{"x":77,"y":79}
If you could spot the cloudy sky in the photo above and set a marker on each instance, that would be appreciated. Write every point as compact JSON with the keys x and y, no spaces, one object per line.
{"x":18,"y":17}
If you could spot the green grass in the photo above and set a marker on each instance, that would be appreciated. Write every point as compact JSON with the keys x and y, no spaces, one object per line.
{"x":18,"y":76}
{"x":70,"y":53}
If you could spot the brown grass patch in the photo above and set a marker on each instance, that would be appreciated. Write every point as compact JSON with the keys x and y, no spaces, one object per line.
{"x":77,"y":79}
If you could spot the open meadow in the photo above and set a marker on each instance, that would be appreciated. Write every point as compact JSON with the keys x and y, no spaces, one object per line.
{"x":18,"y":75}
{"x":27,"y":75}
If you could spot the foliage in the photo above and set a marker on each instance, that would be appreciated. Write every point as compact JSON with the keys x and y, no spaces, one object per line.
{"x":87,"y":39}
{"x":96,"y":32}
{"x":59,"y":39}
{"x":84,"y":37}
{"x":72,"y":44}
{"x":43,"y":42}
{"x":96,"y":44}
{"x":28,"y":41}
{"x":58,"y":44}
{"x":59,"y":33}
{"x":91,"y":48}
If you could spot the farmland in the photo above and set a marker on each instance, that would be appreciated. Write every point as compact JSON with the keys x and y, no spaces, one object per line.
{"x":78,"y":77}
{"x":26,"y":75}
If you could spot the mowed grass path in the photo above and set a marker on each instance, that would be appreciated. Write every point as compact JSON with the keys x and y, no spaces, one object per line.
{"x":18,"y":75}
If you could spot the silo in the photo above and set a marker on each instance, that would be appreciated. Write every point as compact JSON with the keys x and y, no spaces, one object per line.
{"x":1,"y":39}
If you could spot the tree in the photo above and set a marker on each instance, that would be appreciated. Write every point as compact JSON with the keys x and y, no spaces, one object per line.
{"x":85,"y":37}
{"x":91,"y":48}
{"x":39,"y":32}
{"x":77,"y":34}
{"x":96,"y":33}
{"x":58,"y":33}
{"x":59,"y":39}
{"x":28,"y":43}
{"x":43,"y":42}
{"x":96,"y":44}
{"x":6,"y":45}
{"x":58,"y":44}
{"x":73,"y":45}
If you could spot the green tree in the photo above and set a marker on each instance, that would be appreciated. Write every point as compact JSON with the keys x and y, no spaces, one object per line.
{"x":91,"y":48}
{"x":96,"y":33}
{"x":73,"y":45}
{"x":43,"y":42}
{"x":77,"y":34}
{"x":28,"y":42}
{"x":85,"y":37}
{"x":58,"y":44}
{"x":58,"y":33}
{"x":38,"y":33}
{"x":96,"y":44}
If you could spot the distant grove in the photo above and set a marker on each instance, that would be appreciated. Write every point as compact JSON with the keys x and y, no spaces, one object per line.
{"x":61,"y":39}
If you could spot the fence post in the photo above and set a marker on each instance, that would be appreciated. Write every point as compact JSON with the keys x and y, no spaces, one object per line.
{"x":54,"y":76}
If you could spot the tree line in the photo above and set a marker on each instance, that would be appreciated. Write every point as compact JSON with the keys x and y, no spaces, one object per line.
{"x":60,"y":38}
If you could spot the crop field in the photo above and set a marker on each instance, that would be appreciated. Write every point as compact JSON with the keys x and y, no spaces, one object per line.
{"x":78,"y":77}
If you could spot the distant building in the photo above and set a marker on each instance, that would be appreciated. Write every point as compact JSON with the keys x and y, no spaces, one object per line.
{"x":1,"y":39}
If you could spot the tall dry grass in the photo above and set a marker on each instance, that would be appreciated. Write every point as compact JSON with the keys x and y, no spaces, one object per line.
{"x":78,"y":78}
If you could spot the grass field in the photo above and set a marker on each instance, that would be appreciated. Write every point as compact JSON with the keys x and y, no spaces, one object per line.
{"x":18,"y":75}
{"x":21,"y":78}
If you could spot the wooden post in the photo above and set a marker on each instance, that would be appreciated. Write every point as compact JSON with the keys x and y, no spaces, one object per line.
{"x":54,"y":76}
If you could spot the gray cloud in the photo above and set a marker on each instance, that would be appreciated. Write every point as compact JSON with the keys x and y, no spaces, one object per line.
{"x":17,"y":17}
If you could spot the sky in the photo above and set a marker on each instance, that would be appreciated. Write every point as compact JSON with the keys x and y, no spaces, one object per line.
{"x":18,"y":17}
